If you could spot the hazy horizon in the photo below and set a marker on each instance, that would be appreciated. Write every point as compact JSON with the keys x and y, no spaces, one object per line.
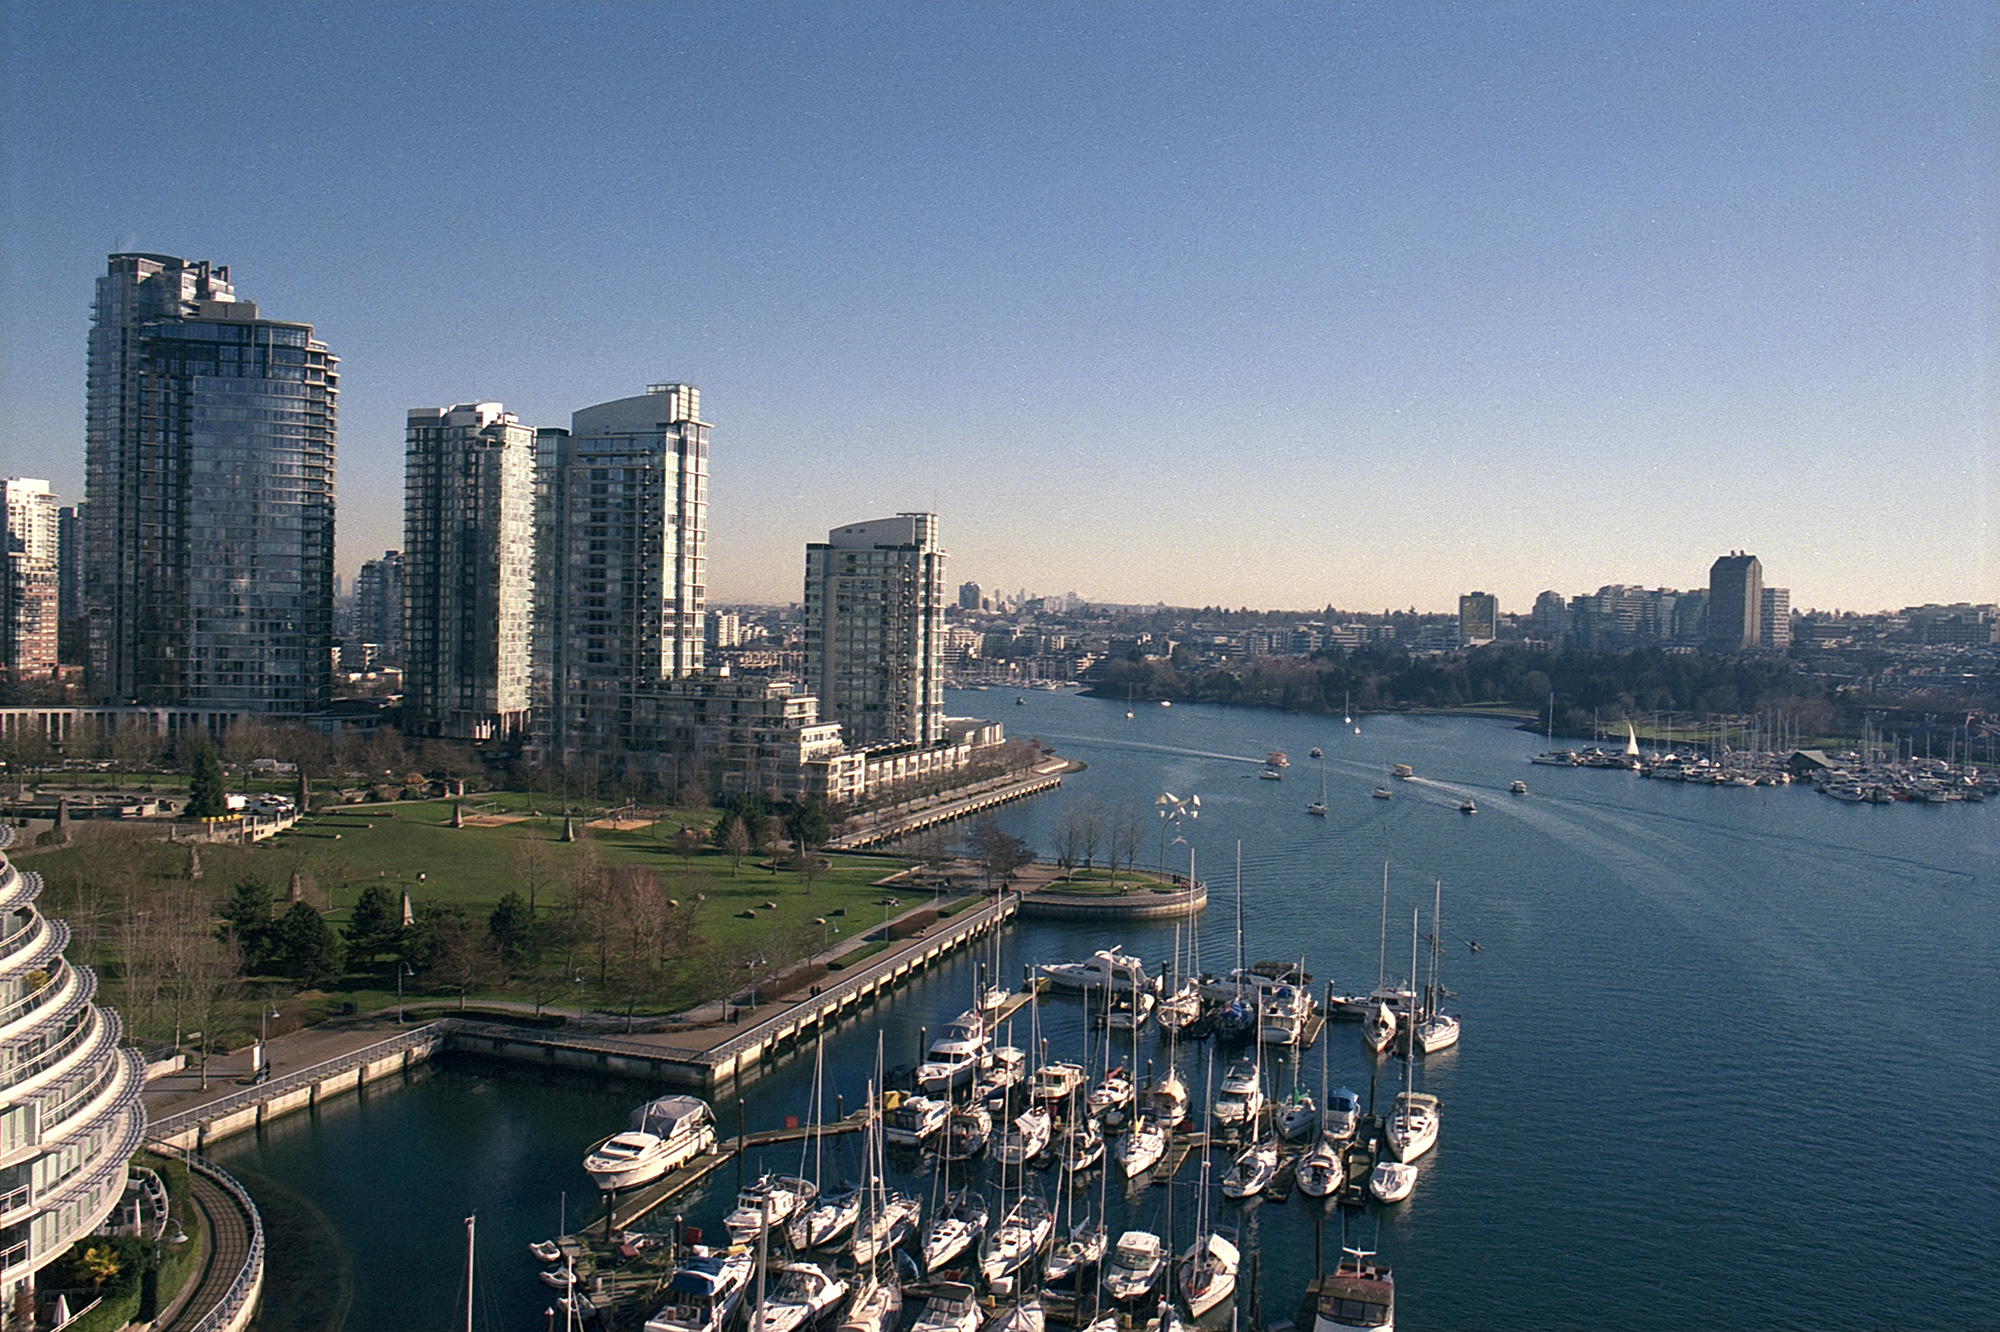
{"x":1364,"y":305}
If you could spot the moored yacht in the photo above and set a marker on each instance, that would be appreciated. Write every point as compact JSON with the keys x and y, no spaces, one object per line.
{"x":959,"y":1224}
{"x":914,"y":1119}
{"x":1143,"y":1147}
{"x":771,"y":1200}
{"x":1135,"y":1266}
{"x":1252,"y":1170}
{"x":1392,"y":1181}
{"x":799,"y":1295}
{"x":952,"y":1307}
{"x":1105,"y":968}
{"x":1024,"y":1139}
{"x":1019,"y":1238}
{"x":661,"y":1135}
{"x":1359,"y":1296}
{"x":955,"y":1058}
{"x":1241,"y":1098}
{"x":704,"y":1291}
{"x":1207,"y":1273}
{"x":1412,"y":1127}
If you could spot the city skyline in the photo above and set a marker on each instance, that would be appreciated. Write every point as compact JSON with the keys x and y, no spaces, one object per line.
{"x":1268,"y":307}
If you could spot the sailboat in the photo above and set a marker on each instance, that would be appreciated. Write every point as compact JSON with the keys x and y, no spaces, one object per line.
{"x":1318,"y":807}
{"x":835,"y":1211}
{"x":1026,"y":1228}
{"x":1412,"y":1127}
{"x":1238,"y":1021}
{"x":1380,"y":1026}
{"x":1207,"y":1271}
{"x":1438,"y":1030}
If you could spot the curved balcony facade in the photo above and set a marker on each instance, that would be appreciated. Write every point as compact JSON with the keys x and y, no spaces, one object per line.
{"x":70,"y":1114}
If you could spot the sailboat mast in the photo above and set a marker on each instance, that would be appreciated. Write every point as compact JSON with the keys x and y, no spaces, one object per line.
{"x":469,"y":1221}
{"x":1382,"y":957}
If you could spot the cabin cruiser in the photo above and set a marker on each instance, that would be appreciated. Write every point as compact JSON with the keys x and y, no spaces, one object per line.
{"x":1254,"y":983}
{"x":1008,"y":1069}
{"x":659,"y":1136}
{"x":772,"y":1200}
{"x":1382,"y":793}
{"x":1252,"y":1170}
{"x":1112,"y":1099}
{"x":960,"y":1224}
{"x":1135,"y":1268}
{"x":952,"y":1307}
{"x":1402,"y":772}
{"x":1297,"y":1115}
{"x":1359,"y":1297}
{"x":1105,"y":968}
{"x":704,"y":1291}
{"x":1517,"y":788}
{"x":957,"y":1055}
{"x":1207,"y":1272}
{"x":1241,"y":1099}
{"x":966,"y":1132}
{"x":914,"y":1119}
{"x":1056,"y":1083}
{"x":1285,"y":1010}
{"x":1021,"y":1235}
{"x":1412,"y":1127}
{"x":1341,"y":1116}
{"x":1168,"y":1102}
{"x":799,"y":1295}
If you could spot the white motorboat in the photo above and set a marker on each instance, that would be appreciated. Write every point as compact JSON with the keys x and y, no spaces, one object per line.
{"x":1207,"y":1273}
{"x":1466,"y":806}
{"x":1252,"y":1170}
{"x":959,"y":1224}
{"x":915,"y":1119}
{"x":1054,"y":1084}
{"x":1282,"y":1020}
{"x":1241,"y":1098}
{"x":1168,"y":1101}
{"x":1517,"y":788}
{"x":1135,"y":1267}
{"x":1021,"y":1235}
{"x":1113,"y":1096}
{"x":661,"y":1135}
{"x":771,"y":1200}
{"x":1341,"y":1116}
{"x":799,"y":1295}
{"x":1296,"y":1116}
{"x":1105,"y":968}
{"x":952,"y":1307}
{"x":891,"y":1219}
{"x":966,"y":1132}
{"x":1024,"y":1139}
{"x":1143,"y":1147}
{"x":1392,"y":1181}
{"x":1359,"y":1296}
{"x":822,"y":1225}
{"x":704,"y":1291}
{"x":958,"y":1054}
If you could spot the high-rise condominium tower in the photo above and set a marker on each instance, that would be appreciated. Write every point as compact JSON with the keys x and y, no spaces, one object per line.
{"x":874,"y":620}
{"x":621,"y":554}
{"x":378,"y":604}
{"x":29,"y":567}
{"x":1735,"y":602}
{"x":469,"y":571}
{"x":1774,"y":619}
{"x":208,"y":576}
{"x":1478,"y":617}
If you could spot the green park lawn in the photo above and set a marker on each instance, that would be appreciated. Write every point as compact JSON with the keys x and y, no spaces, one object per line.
{"x":411,"y":845}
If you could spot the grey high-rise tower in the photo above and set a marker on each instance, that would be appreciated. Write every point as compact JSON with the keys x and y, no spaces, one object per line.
{"x":469,"y":571}
{"x":874,"y":629}
{"x":621,"y":555}
{"x":208,"y":575}
{"x":1735,"y":602}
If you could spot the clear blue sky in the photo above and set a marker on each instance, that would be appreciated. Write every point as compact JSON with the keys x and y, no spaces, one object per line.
{"x":1368,"y":304}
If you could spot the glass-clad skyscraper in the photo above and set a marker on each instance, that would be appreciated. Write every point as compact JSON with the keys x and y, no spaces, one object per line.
{"x":874,"y":629}
{"x":209,"y":456}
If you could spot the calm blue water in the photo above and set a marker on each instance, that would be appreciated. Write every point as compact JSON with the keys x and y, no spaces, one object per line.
{"x":1728,"y":1059}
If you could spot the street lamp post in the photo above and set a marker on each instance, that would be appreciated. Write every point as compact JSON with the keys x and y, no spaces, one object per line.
{"x":1172,"y":810}
{"x":578,"y":978}
{"x":402,"y":970}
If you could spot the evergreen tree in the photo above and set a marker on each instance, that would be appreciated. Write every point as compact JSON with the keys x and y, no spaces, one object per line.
{"x":512,"y":930}
{"x":207,"y":796}
{"x":307,"y":949}
{"x":375,"y":926}
{"x":246,"y":918}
